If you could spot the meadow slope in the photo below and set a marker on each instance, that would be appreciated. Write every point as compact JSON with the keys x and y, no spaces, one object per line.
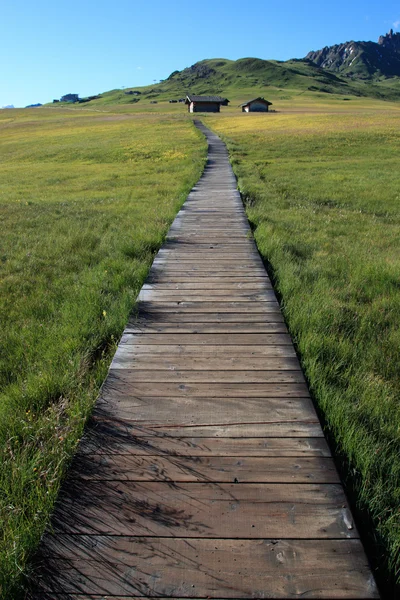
{"x":85,"y":201}
{"x":323,"y":196}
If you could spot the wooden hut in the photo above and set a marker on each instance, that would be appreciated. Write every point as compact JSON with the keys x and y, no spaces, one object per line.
{"x":256,"y":105}
{"x":205,"y":103}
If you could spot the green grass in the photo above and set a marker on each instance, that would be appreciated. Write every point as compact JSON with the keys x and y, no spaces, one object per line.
{"x":85,"y":200}
{"x":323,"y":195}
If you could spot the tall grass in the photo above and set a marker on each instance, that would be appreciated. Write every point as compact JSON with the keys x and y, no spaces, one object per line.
{"x":323,"y":195}
{"x":85,"y":201}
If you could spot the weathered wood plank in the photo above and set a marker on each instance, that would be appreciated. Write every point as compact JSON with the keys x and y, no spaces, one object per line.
{"x":214,"y":469}
{"x":212,"y":283}
{"x":113,"y":436}
{"x":241,"y":260}
{"x":198,"y":238}
{"x":222,"y":275}
{"x":153,"y":376}
{"x":207,"y":569}
{"x":194,"y":318}
{"x":209,"y":351}
{"x":206,"y":265}
{"x":186,"y":410}
{"x":116,"y":386}
{"x":234,"y":328}
{"x":240,"y":245}
{"x":209,"y":252}
{"x":207,"y":339}
{"x":205,"y":296}
{"x":203,"y":363}
{"x":208,"y":510}
{"x":213,"y":307}
{"x":235,"y":267}
{"x":240,"y":430}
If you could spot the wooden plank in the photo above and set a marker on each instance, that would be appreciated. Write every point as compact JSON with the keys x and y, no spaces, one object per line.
{"x":212,"y":283}
{"x":116,"y":386}
{"x":240,"y":245}
{"x":234,"y":328}
{"x":195,"y":318}
{"x":172,"y":271}
{"x":208,"y":250}
{"x":241,"y":430}
{"x":187,"y":568}
{"x":159,"y":275}
{"x":210,"y":351}
{"x":204,"y":264}
{"x":214,"y":469}
{"x":247,"y":258}
{"x":205,"y":296}
{"x":207,"y":339}
{"x":213,"y":307}
{"x":198,"y":257}
{"x":132,"y":376}
{"x":198,"y":238}
{"x":208,"y":230}
{"x":202,"y":363}
{"x":115,"y":436}
{"x":225,"y":234}
{"x":180,"y":411}
{"x":197,"y":510}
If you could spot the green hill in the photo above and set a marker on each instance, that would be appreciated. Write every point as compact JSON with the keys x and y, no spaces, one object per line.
{"x":248,"y":77}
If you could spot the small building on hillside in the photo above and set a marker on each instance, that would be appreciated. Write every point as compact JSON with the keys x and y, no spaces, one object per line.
{"x":256,"y":105}
{"x":205,"y":103}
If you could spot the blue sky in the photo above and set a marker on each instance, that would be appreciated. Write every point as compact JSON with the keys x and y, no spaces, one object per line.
{"x":50,"y":48}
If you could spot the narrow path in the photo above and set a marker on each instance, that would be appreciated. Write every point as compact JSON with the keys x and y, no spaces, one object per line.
{"x":205,"y":472}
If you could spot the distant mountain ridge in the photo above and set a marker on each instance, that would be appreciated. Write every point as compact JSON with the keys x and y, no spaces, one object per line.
{"x":353,"y":69}
{"x":361,"y":60}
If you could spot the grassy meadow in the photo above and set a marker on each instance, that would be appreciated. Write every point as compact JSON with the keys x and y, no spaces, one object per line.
{"x":87,"y":194}
{"x":322,"y":192}
{"x":85,"y":201}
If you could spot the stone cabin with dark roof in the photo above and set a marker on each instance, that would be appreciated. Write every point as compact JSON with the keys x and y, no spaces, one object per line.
{"x":205,"y":103}
{"x":256,"y":105}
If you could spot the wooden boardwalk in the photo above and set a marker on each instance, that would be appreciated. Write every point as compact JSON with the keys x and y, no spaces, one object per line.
{"x":205,"y":472}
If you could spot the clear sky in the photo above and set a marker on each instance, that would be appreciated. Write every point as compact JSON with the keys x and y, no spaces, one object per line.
{"x":51,"y":47}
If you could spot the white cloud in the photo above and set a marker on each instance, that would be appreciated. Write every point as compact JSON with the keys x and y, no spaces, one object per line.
{"x":396,"y":24}
{"x":139,"y":68}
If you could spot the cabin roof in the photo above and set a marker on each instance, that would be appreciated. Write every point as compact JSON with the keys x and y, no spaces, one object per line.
{"x":190,"y":98}
{"x":256,"y":100}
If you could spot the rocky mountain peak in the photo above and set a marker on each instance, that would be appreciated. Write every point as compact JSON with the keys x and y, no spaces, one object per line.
{"x":391,"y":40}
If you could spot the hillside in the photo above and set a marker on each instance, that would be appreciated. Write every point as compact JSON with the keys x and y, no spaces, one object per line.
{"x":361,"y":60}
{"x":248,"y":77}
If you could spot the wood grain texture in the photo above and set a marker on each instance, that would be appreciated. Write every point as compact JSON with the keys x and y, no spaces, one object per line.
{"x":214,"y":469}
{"x":233,"y":328}
{"x":205,"y":339}
{"x":113,"y":436}
{"x":205,"y":510}
{"x":216,"y":375}
{"x":188,"y":568}
{"x":178,"y":362}
{"x":117,"y":387}
{"x":204,"y":472}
